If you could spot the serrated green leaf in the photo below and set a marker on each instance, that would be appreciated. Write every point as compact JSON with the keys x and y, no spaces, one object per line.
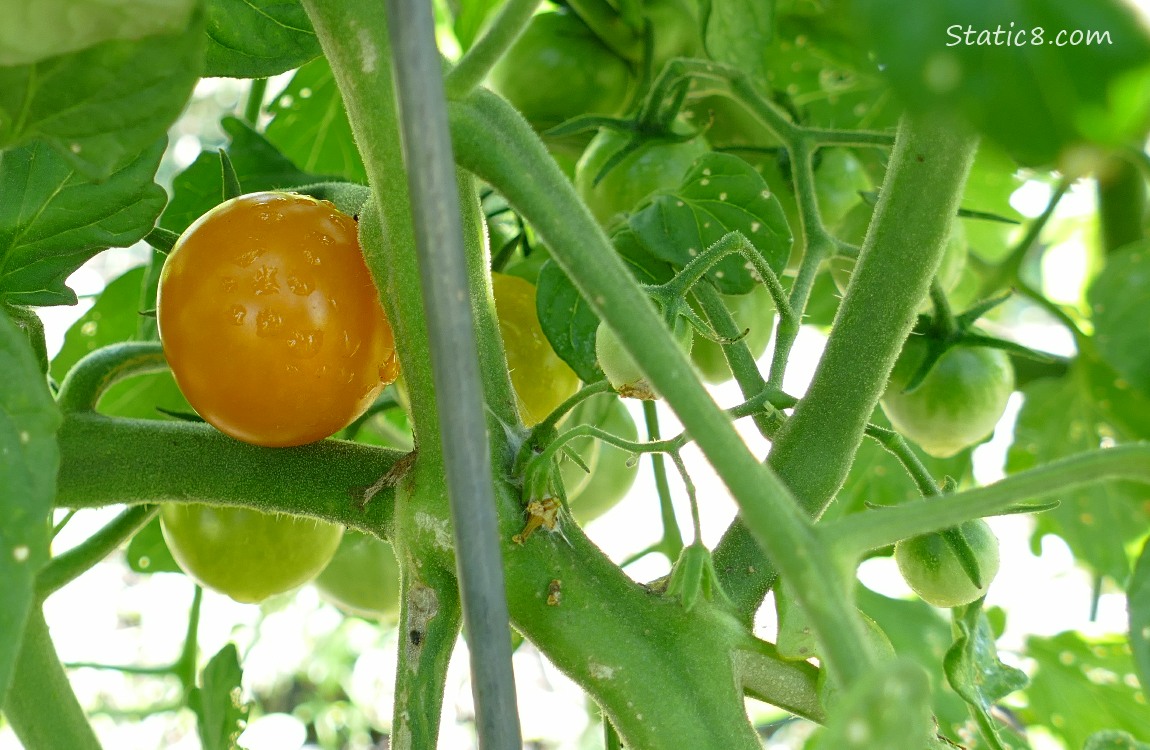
{"x":103,"y":106}
{"x":720,"y":194}
{"x":1113,"y":740}
{"x":257,"y":38}
{"x":567,"y":321}
{"x":29,"y":458}
{"x":1084,"y":686}
{"x":919,"y":632}
{"x":1034,"y":96}
{"x":258,"y":164}
{"x":148,"y":552}
{"x":220,"y":712}
{"x":889,"y":708}
{"x":1097,"y":521}
{"x":310,"y":126}
{"x":52,"y":219}
{"x":1122,"y":406}
{"x":1138,"y":608}
{"x":737,"y":32}
{"x":973,"y":668}
{"x":1119,"y":299}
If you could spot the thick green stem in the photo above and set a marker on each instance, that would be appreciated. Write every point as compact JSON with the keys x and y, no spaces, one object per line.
{"x":332,"y":480}
{"x":671,"y":543}
{"x":813,"y":452}
{"x":41,"y":706}
{"x":455,"y":365}
{"x":497,"y":144}
{"x":354,"y":39}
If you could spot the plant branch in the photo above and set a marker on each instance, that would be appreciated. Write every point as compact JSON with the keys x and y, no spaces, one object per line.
{"x":473,"y":67}
{"x":68,"y":566}
{"x":861,"y":533}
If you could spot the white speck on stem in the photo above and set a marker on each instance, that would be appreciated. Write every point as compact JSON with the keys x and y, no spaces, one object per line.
{"x":20,"y":553}
{"x":437,"y":526}
{"x":601,"y":671}
{"x":368,"y":54}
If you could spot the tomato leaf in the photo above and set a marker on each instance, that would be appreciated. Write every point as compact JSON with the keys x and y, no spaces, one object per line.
{"x":101,"y":107}
{"x":258,"y":164}
{"x":148,"y":552}
{"x":888,"y":708}
{"x":1119,"y":299}
{"x":1098,"y":521}
{"x":1004,"y":86}
{"x":1084,"y":686}
{"x":720,"y":194}
{"x":257,"y":38}
{"x":52,"y":219}
{"x":310,"y":126}
{"x":32,"y":29}
{"x":1138,"y":606}
{"x":470,"y":16}
{"x":1113,"y":740}
{"x":974,"y":670}
{"x":29,"y":458}
{"x":567,"y":321}
{"x":220,"y":716}
{"x":737,"y":32}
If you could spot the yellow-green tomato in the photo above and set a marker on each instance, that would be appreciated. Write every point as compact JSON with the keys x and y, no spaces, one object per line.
{"x":930,"y":566}
{"x":244,"y":553}
{"x":613,"y":471}
{"x":363,"y":577}
{"x":753,"y":313}
{"x":957,"y":404}
{"x":540,"y":378}
{"x":622,"y":370}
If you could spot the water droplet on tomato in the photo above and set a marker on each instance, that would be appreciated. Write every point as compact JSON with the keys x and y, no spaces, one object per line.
{"x":300,"y":286}
{"x":238,"y":313}
{"x":228,"y":284}
{"x":305,"y":344}
{"x":268,"y":323}
{"x":350,"y":347}
{"x":265,"y":281}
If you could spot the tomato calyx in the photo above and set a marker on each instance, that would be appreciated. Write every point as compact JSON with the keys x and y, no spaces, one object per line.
{"x":944,"y":331}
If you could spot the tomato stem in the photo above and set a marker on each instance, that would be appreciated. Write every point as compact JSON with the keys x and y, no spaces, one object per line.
{"x":473,"y":67}
{"x":68,"y":566}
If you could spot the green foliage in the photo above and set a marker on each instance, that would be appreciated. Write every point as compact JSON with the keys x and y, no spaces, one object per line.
{"x":310,"y":127}
{"x":1059,"y":418}
{"x":1119,"y":298}
{"x":719,"y":194}
{"x":28,"y":460}
{"x":1082,"y":686}
{"x":53,"y":219}
{"x":100,"y":107}
{"x":1138,"y":604}
{"x":889,"y":708}
{"x":999,"y":83}
{"x":257,"y":38}
{"x":220,"y":712}
{"x":258,"y":165}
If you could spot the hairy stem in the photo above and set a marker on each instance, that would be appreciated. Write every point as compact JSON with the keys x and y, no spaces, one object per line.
{"x":901,"y":252}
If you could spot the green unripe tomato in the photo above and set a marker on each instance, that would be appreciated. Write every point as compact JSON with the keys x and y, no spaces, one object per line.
{"x":540,"y":378}
{"x":675,"y":29}
{"x":244,"y":553}
{"x":558,"y":69}
{"x":362,"y":578}
{"x":839,"y":178}
{"x":753,"y":313}
{"x":622,"y":370}
{"x":931,"y":568}
{"x":613,"y":471}
{"x":654,"y":166}
{"x":957,"y":404}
